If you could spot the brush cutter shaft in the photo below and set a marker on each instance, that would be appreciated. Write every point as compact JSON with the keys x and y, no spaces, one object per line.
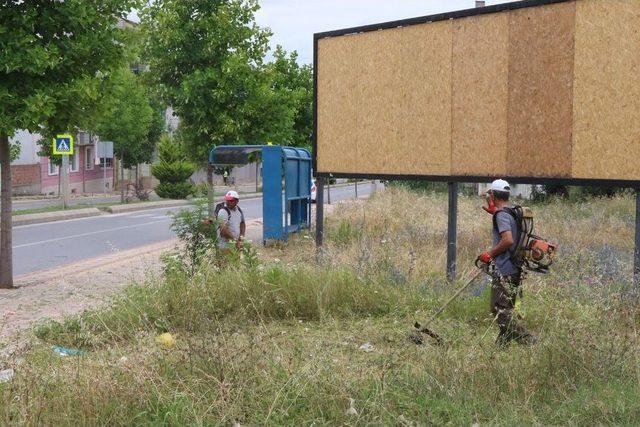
{"x":446,"y":304}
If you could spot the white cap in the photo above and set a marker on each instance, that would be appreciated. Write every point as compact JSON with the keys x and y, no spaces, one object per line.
{"x":500,"y":185}
{"x":231,"y":195}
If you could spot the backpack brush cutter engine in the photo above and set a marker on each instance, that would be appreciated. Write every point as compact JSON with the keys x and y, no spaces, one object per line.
{"x":532,"y":253}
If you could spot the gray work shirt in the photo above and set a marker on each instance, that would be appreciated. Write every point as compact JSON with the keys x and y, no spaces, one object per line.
{"x":505,"y":222}
{"x":233,"y":221}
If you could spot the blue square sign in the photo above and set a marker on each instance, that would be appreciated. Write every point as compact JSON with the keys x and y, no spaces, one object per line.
{"x":63,"y":144}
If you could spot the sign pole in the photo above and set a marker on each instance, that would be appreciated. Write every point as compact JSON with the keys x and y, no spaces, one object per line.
{"x":63,"y":146}
{"x":64,"y":170}
{"x":104,"y":175}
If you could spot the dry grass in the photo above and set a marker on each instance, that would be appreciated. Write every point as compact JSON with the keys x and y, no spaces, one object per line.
{"x":280,"y":344}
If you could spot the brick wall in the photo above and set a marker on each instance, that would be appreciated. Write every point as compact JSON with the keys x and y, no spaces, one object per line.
{"x":25,"y":179}
{"x":25,"y":174}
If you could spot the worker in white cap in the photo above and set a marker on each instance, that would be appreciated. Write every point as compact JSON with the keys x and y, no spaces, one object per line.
{"x":232,"y":225}
{"x":507,"y":274}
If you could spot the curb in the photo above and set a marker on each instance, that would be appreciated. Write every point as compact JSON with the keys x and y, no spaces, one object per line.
{"x":144,"y":206}
{"x":40,"y":218}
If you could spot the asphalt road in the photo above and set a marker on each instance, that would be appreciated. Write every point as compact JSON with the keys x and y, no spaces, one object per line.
{"x":43,"y":246}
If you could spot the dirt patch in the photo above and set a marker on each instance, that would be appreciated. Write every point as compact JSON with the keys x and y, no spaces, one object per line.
{"x":70,"y":289}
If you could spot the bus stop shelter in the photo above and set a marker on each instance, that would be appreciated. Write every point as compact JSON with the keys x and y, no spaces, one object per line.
{"x":286,"y":184}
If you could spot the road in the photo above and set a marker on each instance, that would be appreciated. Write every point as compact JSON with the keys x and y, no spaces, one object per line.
{"x":42,"y":246}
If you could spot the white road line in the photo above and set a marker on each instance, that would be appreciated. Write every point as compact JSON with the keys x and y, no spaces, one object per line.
{"x":88,"y":234}
{"x":141,"y":216}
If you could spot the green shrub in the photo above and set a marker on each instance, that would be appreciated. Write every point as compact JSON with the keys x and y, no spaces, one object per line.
{"x":178,"y":171}
{"x":175,"y":190}
{"x":173,"y":171}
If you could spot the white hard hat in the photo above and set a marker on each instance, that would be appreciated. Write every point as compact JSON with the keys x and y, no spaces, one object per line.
{"x":500,"y":185}
{"x":231,"y":195}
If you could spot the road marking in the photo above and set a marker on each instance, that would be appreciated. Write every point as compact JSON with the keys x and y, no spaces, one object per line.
{"x":108,"y":230}
{"x":141,"y":216}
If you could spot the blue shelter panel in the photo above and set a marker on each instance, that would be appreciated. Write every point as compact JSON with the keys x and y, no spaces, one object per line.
{"x":272,"y":206}
{"x":297,"y":188}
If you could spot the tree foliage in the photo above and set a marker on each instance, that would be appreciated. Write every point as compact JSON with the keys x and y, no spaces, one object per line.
{"x":126,"y":118}
{"x":294,"y":83}
{"x":208,"y":59}
{"x":53,"y":54}
{"x":14,"y":151}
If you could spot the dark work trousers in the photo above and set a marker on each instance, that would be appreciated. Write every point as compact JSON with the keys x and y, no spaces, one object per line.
{"x":504,"y":291}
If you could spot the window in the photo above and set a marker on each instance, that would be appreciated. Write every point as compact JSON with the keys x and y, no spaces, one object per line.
{"x":108,"y":160}
{"x":53,"y":169}
{"x":74,"y":163}
{"x":88,"y":158}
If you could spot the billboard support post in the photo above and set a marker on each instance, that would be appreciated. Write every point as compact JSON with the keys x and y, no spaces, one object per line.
{"x":319,"y":212}
{"x":636,"y":257}
{"x":452,"y":229}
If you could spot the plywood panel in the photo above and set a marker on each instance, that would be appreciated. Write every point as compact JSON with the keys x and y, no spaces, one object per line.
{"x":606,"y":141}
{"x":426,"y":77}
{"x":338,"y":108}
{"x":541,"y":56}
{"x":480,"y":95}
{"x":380,"y":87}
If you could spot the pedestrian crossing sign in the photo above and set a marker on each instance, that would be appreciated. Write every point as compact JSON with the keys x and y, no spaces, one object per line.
{"x":63,"y":144}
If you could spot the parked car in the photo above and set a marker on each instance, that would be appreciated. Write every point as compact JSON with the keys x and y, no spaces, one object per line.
{"x":313,"y":190}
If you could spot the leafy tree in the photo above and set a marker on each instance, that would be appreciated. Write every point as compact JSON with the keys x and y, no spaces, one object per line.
{"x":14,"y":151}
{"x":173,"y":171}
{"x":295,"y":83}
{"x":207,"y":56}
{"x":126,"y":118}
{"x":53,"y":53}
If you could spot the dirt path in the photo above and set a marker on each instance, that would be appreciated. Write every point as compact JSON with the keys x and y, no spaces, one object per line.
{"x":70,"y":289}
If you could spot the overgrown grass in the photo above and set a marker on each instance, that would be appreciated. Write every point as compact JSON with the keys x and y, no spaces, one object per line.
{"x":280,"y":343}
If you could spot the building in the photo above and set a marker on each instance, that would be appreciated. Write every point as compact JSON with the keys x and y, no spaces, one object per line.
{"x":33,"y":175}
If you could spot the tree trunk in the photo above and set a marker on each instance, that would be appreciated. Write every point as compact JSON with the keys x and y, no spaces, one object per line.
{"x":210,"y":193}
{"x":6,"y":250}
{"x":122,"y":179}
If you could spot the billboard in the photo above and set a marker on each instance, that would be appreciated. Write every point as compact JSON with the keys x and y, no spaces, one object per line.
{"x":538,"y":91}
